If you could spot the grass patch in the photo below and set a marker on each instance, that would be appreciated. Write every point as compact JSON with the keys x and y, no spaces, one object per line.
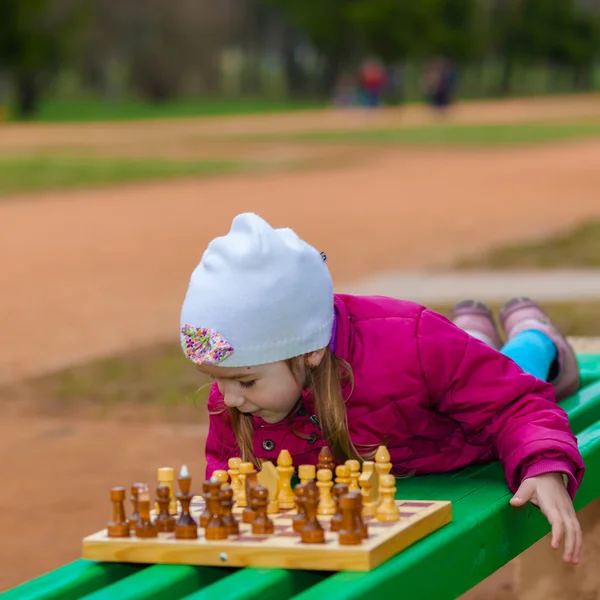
{"x":32,"y":173}
{"x":78,"y":111}
{"x":578,"y":247}
{"x":501,"y":134}
{"x":161,"y":382}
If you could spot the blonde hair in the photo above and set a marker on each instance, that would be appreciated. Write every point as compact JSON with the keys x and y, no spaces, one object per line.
{"x":326,"y":381}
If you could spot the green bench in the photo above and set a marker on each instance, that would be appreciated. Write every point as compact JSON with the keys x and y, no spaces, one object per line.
{"x":485,"y":534}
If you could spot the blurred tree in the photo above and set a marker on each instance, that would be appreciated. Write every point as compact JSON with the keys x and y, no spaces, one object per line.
{"x":36,"y":37}
{"x":328,"y":27}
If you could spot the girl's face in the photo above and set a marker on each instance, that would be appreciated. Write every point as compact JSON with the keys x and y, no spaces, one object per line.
{"x":268,"y":391}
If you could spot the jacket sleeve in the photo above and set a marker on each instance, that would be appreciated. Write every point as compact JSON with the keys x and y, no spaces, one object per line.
{"x":221,"y":444}
{"x":496,"y":403}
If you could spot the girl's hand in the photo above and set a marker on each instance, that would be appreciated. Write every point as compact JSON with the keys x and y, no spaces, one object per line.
{"x":548,"y":492}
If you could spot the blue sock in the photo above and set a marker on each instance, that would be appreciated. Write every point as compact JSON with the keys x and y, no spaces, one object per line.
{"x":533,"y":351}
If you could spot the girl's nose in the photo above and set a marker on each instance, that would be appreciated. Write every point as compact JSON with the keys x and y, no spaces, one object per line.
{"x":233,"y":400}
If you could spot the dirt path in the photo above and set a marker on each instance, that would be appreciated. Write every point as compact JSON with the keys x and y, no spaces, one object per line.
{"x":95,"y":272}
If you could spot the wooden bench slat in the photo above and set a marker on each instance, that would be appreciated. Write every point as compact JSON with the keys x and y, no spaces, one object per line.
{"x":161,"y":582}
{"x":72,"y":581}
{"x":486,"y":533}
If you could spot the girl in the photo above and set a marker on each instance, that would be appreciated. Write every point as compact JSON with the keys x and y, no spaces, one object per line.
{"x":298,"y":367}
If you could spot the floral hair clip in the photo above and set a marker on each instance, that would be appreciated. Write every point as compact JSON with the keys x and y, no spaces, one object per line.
{"x":204,"y":346}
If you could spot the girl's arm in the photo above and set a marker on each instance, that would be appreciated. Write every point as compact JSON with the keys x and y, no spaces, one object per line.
{"x":497,"y":404}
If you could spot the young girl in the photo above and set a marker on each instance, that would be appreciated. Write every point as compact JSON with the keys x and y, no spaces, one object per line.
{"x":298,"y":367}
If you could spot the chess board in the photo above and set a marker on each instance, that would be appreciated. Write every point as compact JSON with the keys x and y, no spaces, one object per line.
{"x":283,"y":549}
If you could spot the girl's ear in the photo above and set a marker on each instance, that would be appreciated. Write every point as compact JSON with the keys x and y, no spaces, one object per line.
{"x":313,"y":359}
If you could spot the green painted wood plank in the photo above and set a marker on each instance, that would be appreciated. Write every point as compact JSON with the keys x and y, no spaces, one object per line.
{"x":161,"y":582}
{"x":260,"y":584}
{"x":583,"y":407}
{"x":72,"y":581}
{"x":486,"y":533}
{"x":589,"y":367}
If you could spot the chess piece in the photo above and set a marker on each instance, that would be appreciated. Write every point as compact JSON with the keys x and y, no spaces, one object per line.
{"x":164,"y":520}
{"x":369,"y":483}
{"x":186,"y":527}
{"x":324,"y":483}
{"x":234,"y":474}
{"x":312,"y":532}
{"x":285,"y":469}
{"x":205,"y":514}
{"x":261,"y":525}
{"x":118,"y":525}
{"x":251,"y":481}
{"x":135,"y":515}
{"x":338,"y":490}
{"x":221,"y":476}
{"x":269,"y":477}
{"x":387,"y":509}
{"x":342,"y":474}
{"x":240,"y":498}
{"x":382,"y":461}
{"x":350,"y":533}
{"x":354,"y":475}
{"x":145,"y":528}
{"x":299,"y":519}
{"x":166,"y":476}
{"x":215,"y":529}
{"x":226,"y":499}
{"x":325,"y":459}
{"x":306,"y":473}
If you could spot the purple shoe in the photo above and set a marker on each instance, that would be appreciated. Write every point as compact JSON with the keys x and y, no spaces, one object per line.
{"x":477,"y":320}
{"x":521,"y":314}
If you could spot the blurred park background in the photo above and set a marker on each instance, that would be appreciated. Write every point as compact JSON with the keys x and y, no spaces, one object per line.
{"x":432,"y":149}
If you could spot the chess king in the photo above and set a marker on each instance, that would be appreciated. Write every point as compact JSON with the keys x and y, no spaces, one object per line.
{"x":296,"y":366}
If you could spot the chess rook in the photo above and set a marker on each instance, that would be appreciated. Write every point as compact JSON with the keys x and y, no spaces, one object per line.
{"x":350,"y":532}
{"x":306,"y":473}
{"x":118,"y":526}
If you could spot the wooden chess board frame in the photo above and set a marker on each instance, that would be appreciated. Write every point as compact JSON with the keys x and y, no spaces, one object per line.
{"x":283,"y":549}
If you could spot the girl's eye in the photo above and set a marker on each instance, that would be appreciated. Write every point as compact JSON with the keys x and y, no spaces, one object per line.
{"x":247,"y":384}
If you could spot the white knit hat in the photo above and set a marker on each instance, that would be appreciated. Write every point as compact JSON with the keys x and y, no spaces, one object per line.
{"x":259,"y":295}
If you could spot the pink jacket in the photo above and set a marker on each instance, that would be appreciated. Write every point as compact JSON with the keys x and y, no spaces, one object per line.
{"x":438,"y":398}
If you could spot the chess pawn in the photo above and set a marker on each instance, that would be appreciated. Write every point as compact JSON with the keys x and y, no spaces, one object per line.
{"x":326,"y":502}
{"x":325,"y":459}
{"x":338,"y":490}
{"x":226,"y":499}
{"x":354,"y":475}
{"x":118,"y":525}
{"x":215,"y":529}
{"x":221,"y":476}
{"x":387,"y":509}
{"x":248,"y":514}
{"x":205,"y":515}
{"x":145,"y":528}
{"x":261,"y":525}
{"x":135,"y":515}
{"x":234,"y":474}
{"x":312,"y":532}
{"x":350,"y":532}
{"x":166,"y":476}
{"x":240,"y":499}
{"x":299,"y":519}
{"x":306,"y":473}
{"x":285,"y":469}
{"x":164,"y":520}
{"x":342,"y":474}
